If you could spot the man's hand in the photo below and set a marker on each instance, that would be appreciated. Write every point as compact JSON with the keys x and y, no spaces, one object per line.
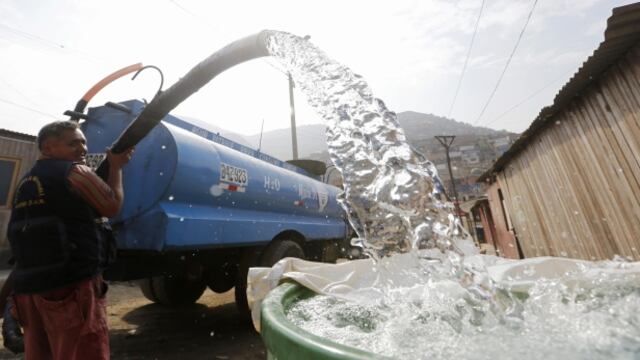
{"x":118,"y":161}
{"x":114,"y":180}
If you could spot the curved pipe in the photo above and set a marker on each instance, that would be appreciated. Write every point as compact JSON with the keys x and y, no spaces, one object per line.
{"x":82,"y":103}
{"x":242,"y":50}
{"x":156,"y":69}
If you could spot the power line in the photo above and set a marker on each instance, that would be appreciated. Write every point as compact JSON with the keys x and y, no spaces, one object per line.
{"x":466,"y":60}
{"x":33,"y":37}
{"x":27,"y":108}
{"x":531,"y":96}
{"x":506,"y":66}
{"x":208,"y":24}
{"x":277,"y":68}
{"x":17,"y":91}
{"x":192,"y":14}
{"x":49,"y":43}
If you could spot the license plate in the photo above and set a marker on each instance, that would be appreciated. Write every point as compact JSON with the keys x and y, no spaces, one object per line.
{"x":94,"y":160}
{"x":234,"y":175}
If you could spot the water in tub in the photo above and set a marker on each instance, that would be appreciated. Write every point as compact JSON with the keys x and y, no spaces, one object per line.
{"x":441,"y":302}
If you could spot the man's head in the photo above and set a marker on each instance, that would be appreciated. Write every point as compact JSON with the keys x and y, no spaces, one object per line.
{"x":62,"y":140}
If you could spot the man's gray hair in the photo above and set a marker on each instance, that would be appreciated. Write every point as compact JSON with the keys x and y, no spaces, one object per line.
{"x":55,"y":129}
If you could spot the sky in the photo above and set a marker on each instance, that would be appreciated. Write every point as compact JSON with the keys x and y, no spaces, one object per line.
{"x":411,"y":53}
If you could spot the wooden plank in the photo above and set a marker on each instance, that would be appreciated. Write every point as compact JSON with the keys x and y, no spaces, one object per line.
{"x":571,"y":182}
{"x":626,"y":92}
{"x":576,"y":179}
{"x":531,"y":202}
{"x":625,"y":194}
{"x":507,"y":182}
{"x":611,"y":214}
{"x":594,"y":197}
{"x":564,"y":235}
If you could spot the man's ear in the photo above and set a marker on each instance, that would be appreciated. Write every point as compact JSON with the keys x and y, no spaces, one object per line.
{"x":47,"y":145}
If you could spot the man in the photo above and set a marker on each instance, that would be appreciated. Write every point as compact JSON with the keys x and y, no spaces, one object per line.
{"x":61,"y":243}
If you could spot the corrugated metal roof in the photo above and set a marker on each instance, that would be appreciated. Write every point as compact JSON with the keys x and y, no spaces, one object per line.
{"x":622,"y":33}
{"x":16,"y":135}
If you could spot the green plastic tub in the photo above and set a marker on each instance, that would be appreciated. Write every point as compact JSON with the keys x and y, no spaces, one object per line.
{"x":285,"y":341}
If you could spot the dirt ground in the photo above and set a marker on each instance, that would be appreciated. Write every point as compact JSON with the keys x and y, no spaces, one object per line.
{"x":210,"y":329}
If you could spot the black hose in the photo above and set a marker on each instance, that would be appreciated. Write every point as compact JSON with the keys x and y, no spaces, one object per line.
{"x":242,"y":50}
{"x":235,"y":53}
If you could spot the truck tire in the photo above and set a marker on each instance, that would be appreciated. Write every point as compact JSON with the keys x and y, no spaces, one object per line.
{"x":147,"y":290}
{"x":250,"y":258}
{"x":323,"y":251}
{"x":276,"y":250}
{"x":280,"y":249}
{"x":221,"y":278}
{"x":172,"y":290}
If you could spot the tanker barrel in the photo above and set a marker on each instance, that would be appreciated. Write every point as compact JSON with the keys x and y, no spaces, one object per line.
{"x":242,"y":50}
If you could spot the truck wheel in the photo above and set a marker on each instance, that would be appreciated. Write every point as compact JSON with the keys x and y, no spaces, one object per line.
{"x":221,"y":278}
{"x":147,"y":290}
{"x":280,"y":249}
{"x":172,"y":290}
{"x":323,"y":251}
{"x":250,"y":258}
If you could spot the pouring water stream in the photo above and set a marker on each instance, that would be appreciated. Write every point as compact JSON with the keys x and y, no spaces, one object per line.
{"x":442,"y":304}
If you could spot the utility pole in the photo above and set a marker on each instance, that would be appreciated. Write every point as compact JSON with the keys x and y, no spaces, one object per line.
{"x":446,"y":141}
{"x":261,"y":131}
{"x":294,"y":135}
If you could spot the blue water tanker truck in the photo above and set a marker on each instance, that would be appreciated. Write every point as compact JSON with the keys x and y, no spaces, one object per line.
{"x":200,"y":209}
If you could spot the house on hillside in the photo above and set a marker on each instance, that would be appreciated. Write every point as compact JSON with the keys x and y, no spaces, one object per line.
{"x":18,"y":153}
{"x":455,"y":155}
{"x":471,"y":157}
{"x":570,"y":185}
{"x":469,"y":154}
{"x":501,"y":144}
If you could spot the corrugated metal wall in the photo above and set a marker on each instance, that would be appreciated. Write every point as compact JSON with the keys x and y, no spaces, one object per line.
{"x":24,"y":151}
{"x":27,"y":153}
{"x":575,"y":190}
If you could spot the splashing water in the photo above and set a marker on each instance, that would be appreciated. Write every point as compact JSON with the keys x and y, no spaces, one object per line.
{"x":438,"y":318}
{"x":389,"y":188}
{"x":437,"y":303}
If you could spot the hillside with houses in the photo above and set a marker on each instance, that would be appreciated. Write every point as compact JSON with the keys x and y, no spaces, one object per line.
{"x":473,"y":151}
